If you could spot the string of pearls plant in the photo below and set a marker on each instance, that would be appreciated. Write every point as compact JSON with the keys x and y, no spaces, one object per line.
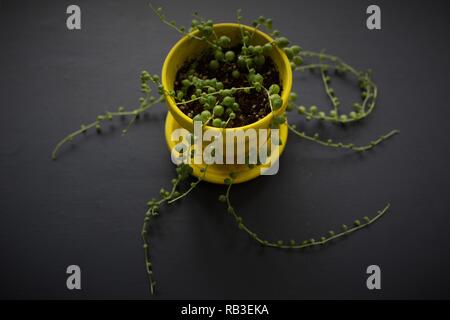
{"x":219,"y":107}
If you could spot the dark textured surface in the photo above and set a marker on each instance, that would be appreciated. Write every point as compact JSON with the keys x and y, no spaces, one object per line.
{"x":87,"y":207}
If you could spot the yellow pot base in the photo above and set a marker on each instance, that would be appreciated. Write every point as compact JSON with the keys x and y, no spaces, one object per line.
{"x":216,"y":173}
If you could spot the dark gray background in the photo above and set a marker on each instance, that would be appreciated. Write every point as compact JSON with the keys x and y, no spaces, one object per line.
{"x":87,"y":207}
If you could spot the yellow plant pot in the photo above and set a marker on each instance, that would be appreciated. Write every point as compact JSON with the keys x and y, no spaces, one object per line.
{"x":187,"y":48}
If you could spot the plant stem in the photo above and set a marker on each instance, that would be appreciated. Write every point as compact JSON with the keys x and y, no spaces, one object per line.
{"x":330,"y":143}
{"x":306,"y":243}
{"x":154,"y":205}
{"x":369,"y":100}
{"x":151,"y":212}
{"x":192,"y":187}
{"x":325,"y":81}
{"x":105,"y":117}
{"x":213,"y":94}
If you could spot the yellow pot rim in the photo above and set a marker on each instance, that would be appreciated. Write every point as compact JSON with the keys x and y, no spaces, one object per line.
{"x":286,"y":83}
{"x":216,"y":173}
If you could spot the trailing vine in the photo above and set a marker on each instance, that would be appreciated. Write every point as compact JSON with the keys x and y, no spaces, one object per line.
{"x":154,"y":205}
{"x":330,"y":143}
{"x":369,"y":91}
{"x":293,"y":244}
{"x":217,"y":105}
{"x":146,"y":102}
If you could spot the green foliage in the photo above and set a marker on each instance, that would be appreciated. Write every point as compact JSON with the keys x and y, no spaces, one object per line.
{"x":292,"y":244}
{"x":183,"y":173}
{"x":250,"y":58}
{"x":219,"y":106}
{"x":145,"y":103}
